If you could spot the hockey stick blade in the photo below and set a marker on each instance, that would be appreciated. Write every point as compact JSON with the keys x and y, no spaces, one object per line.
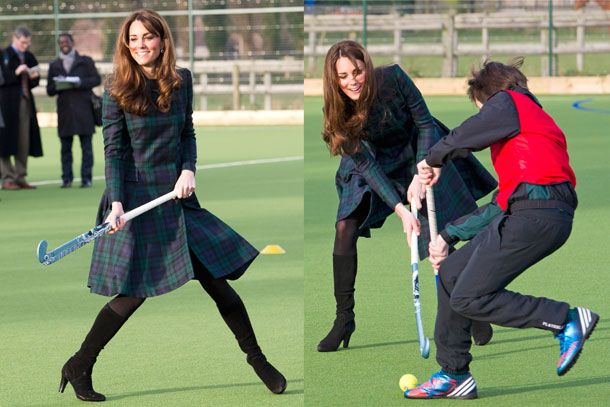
{"x":68,"y":247}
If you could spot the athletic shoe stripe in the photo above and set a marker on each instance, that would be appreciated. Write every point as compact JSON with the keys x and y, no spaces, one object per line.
{"x":587,"y":315}
{"x":582,"y":319}
{"x":467,"y":390}
{"x":464,"y":390}
{"x":460,"y":387}
{"x":585,"y":318}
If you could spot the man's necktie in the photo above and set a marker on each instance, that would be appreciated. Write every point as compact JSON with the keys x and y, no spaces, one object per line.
{"x":25,"y":89}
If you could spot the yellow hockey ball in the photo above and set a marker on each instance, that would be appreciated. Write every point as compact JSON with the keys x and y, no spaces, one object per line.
{"x":407,"y":382}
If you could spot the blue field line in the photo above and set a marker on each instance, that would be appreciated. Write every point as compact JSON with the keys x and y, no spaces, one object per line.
{"x":579,"y":105}
{"x":202,"y":167}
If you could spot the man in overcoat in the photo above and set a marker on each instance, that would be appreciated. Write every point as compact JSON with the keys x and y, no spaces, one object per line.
{"x":20,"y":136}
{"x":72,"y":77}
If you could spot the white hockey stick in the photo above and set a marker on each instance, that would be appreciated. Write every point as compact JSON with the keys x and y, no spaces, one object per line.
{"x":89,"y":236}
{"x":424,"y":342}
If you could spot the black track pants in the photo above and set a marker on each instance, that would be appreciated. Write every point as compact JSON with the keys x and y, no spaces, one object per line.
{"x":473,"y":280}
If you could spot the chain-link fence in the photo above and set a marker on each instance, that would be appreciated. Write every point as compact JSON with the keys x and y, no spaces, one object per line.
{"x":434,"y":38}
{"x":250,"y":47}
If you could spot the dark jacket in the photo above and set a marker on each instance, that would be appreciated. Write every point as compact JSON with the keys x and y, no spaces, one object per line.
{"x":400,"y":130}
{"x":144,"y":157}
{"x":1,"y":83}
{"x":74,"y":111}
{"x":10,"y":96}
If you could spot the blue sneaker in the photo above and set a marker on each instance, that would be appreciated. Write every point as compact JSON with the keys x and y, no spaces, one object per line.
{"x":578,"y":328}
{"x":443,"y":386}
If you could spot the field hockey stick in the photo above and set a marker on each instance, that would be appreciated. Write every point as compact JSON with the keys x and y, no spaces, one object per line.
{"x":431,"y":205}
{"x":424,"y":343}
{"x":100,"y":230}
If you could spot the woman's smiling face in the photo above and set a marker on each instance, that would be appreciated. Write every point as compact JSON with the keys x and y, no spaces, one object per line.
{"x":351,"y":78}
{"x":145,"y":47}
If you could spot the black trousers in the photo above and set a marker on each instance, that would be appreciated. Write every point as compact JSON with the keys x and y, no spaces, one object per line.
{"x":473,"y":280}
{"x":66,"y":157}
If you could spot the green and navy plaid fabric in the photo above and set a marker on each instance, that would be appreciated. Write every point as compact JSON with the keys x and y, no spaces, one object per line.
{"x":400,"y":130}
{"x":144,"y":157}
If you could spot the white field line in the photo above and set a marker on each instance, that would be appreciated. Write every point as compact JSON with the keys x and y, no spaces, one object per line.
{"x":201,"y":167}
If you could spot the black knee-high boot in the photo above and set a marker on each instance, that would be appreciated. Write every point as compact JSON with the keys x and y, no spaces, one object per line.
{"x":236,"y":318}
{"x":79,"y":367}
{"x":344,"y":275}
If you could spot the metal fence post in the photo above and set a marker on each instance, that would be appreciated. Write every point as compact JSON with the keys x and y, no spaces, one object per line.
{"x":56,"y":17}
{"x":191,"y":37}
{"x":551,"y":38}
{"x":364,"y":23}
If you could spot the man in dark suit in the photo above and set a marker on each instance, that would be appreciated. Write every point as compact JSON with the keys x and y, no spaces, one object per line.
{"x":72,"y":77}
{"x":20,"y":137}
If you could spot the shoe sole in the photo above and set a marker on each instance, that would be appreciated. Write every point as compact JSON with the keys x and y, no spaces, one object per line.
{"x":466,"y":397}
{"x":594,"y":321}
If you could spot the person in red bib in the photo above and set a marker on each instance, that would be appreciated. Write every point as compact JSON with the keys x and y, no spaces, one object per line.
{"x":529,"y":218}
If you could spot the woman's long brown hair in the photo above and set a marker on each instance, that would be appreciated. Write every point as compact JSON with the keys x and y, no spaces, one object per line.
{"x":128,"y":82}
{"x":344,"y":118}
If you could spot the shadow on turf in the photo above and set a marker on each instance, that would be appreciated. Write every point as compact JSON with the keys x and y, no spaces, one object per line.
{"x":560,"y":383}
{"x":379,"y":345}
{"x":208,"y":387}
{"x":528,"y":337}
{"x":552,"y":344}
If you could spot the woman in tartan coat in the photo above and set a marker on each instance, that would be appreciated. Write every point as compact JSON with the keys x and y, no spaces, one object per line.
{"x":377,"y":120}
{"x":150,"y":149}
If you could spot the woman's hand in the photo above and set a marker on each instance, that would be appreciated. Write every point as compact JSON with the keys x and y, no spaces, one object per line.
{"x":416,"y":192}
{"x":439,"y":250}
{"x":114,"y":218}
{"x":409,"y":223}
{"x":427,"y":175}
{"x":185,"y":185}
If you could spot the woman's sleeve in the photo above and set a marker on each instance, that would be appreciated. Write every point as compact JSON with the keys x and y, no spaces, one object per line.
{"x":468,"y":226}
{"x":371,"y":171}
{"x":115,"y":146}
{"x":188,"y":145}
{"x":419,"y":112}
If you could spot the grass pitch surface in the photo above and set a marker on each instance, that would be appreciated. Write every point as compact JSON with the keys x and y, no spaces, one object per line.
{"x":175,"y":350}
{"x":518,"y":366}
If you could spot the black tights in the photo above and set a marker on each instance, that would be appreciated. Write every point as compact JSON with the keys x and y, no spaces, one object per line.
{"x":346,"y":230}
{"x":222,"y":293}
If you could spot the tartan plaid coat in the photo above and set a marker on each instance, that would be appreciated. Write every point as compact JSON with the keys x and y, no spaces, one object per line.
{"x":144,"y":157}
{"x":400,"y":130}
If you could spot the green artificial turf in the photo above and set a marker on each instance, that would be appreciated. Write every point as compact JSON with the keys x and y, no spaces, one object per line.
{"x":518,"y":366}
{"x":175,"y":350}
